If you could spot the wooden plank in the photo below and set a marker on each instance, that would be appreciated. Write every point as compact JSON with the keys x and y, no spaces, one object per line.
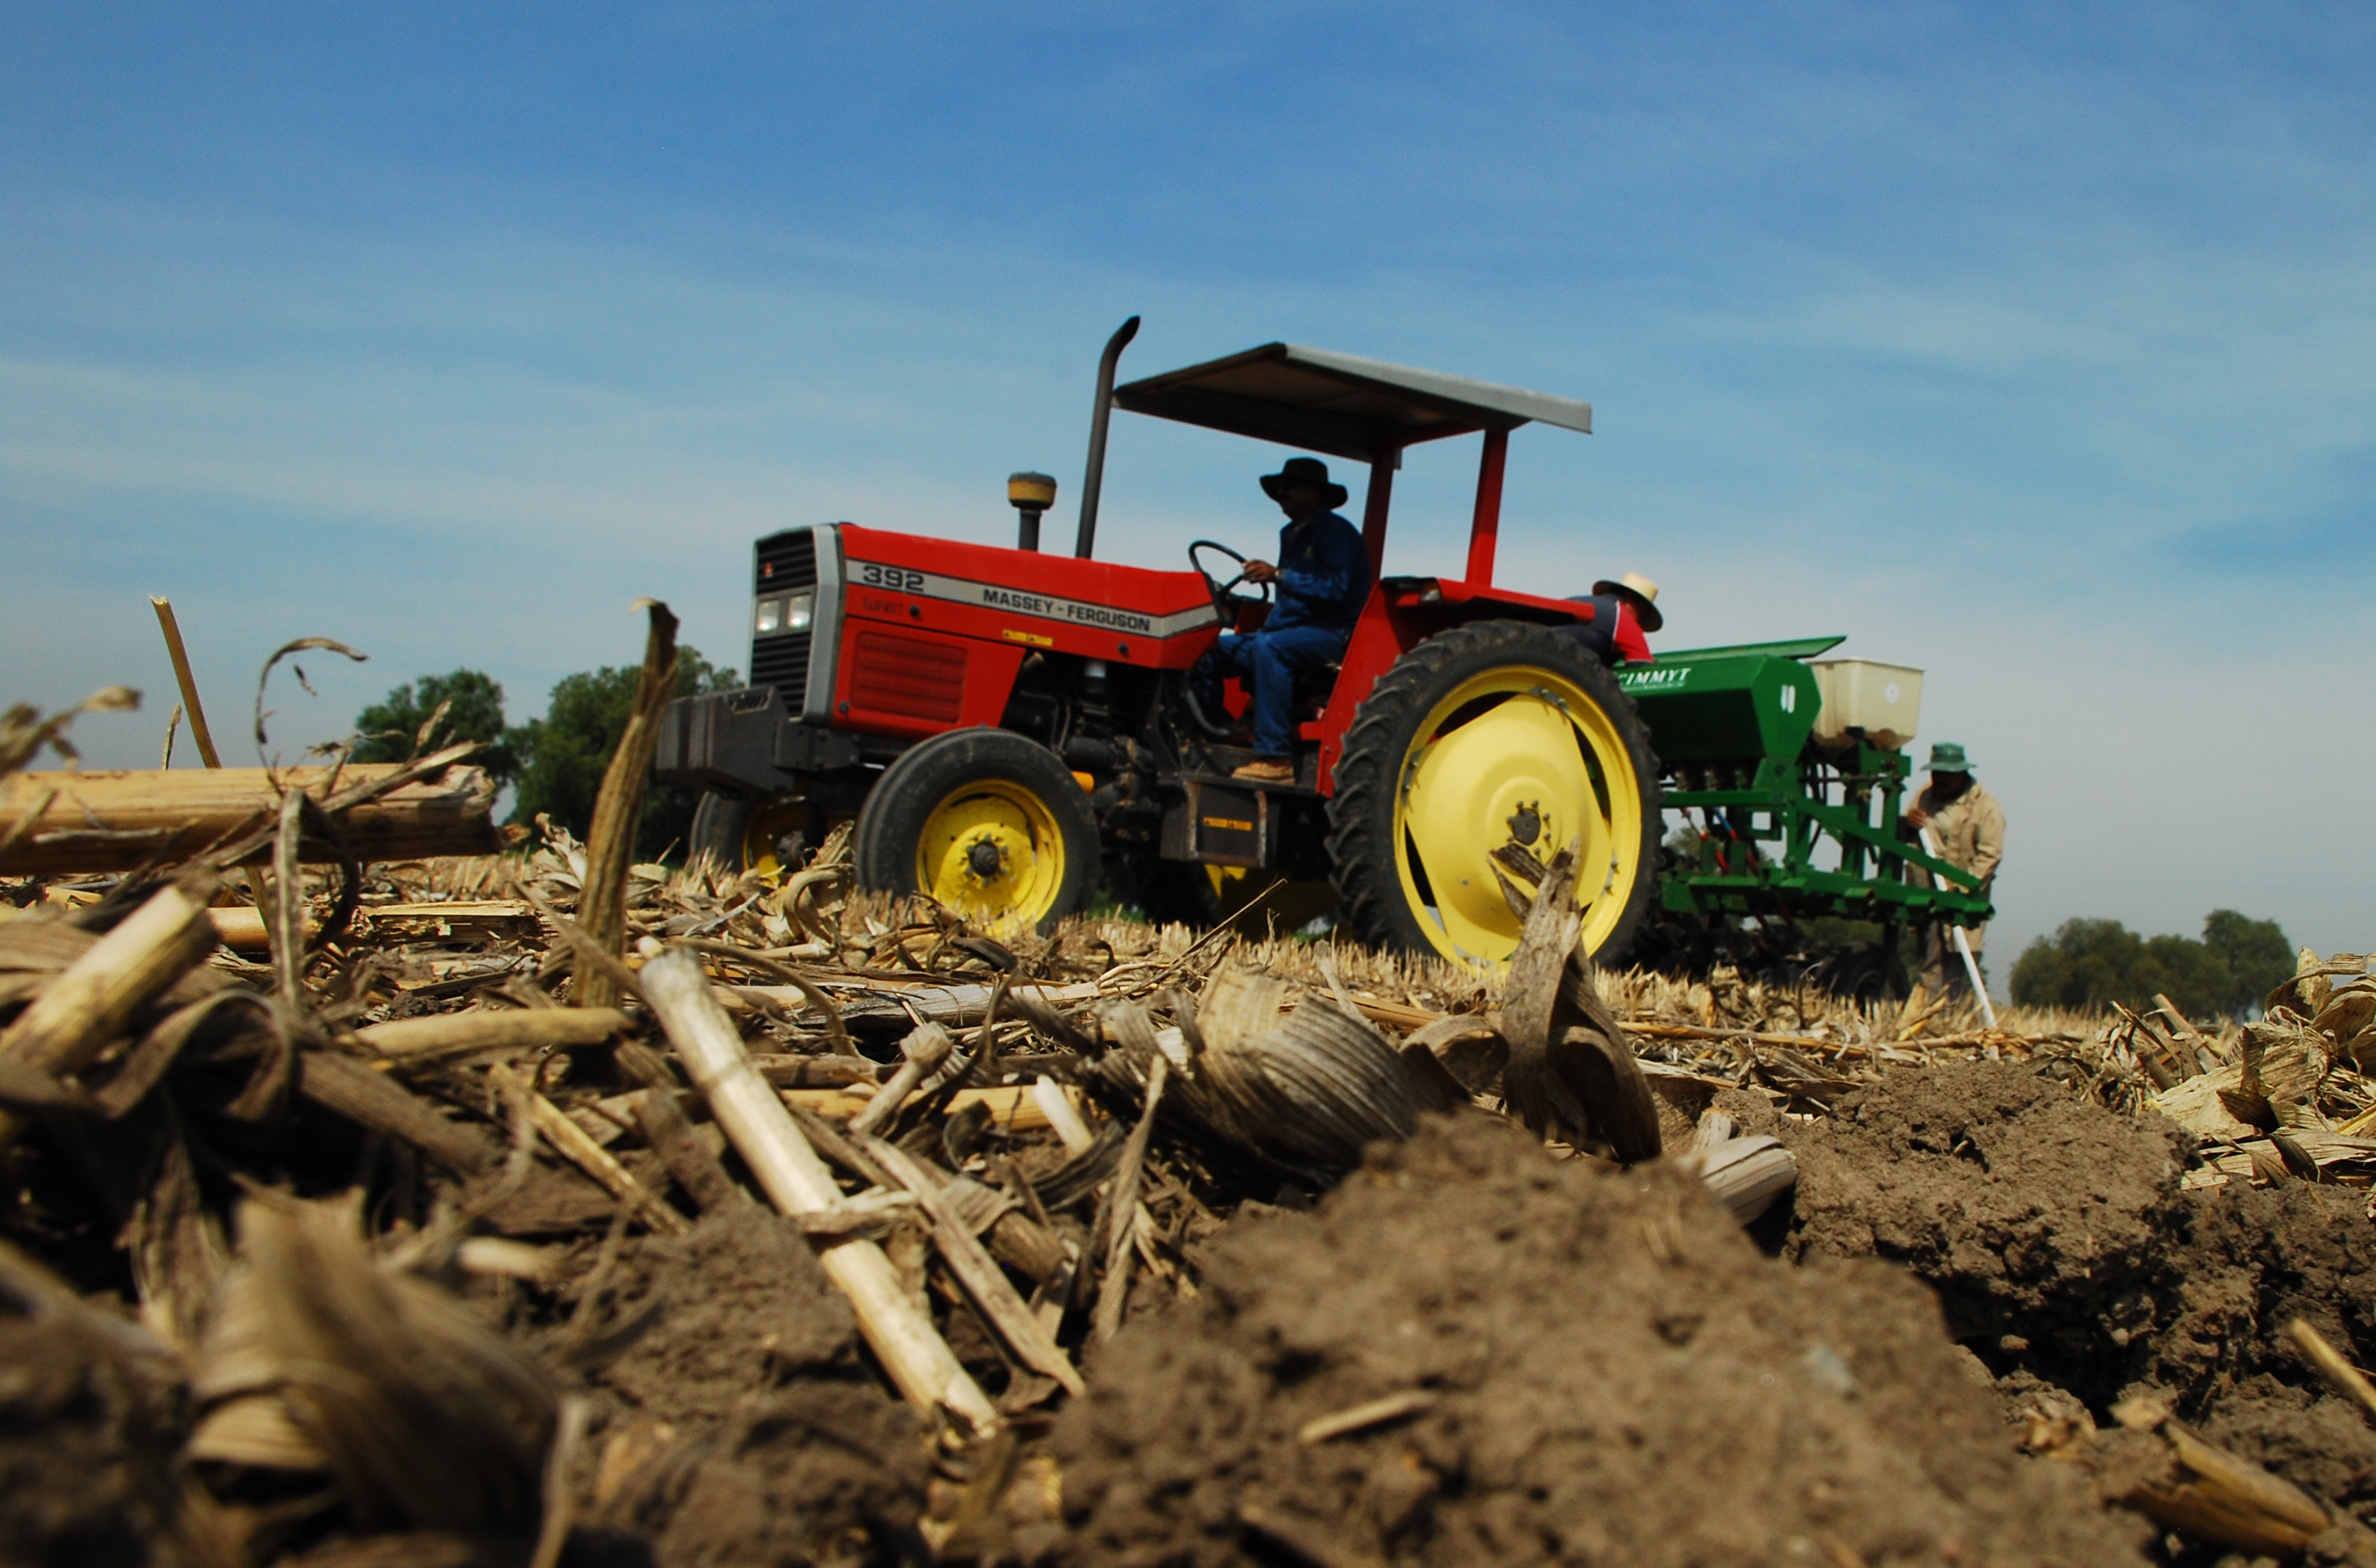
{"x":116,"y":819}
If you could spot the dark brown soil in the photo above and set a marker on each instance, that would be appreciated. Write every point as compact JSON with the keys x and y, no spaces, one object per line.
{"x":2252,"y":1260}
{"x":743,"y":1428}
{"x":1620,"y":1377}
{"x":2066,"y":1258}
{"x":85,"y":1443}
{"x":2044,"y":1223}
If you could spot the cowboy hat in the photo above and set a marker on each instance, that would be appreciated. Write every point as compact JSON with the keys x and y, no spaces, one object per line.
{"x":1638,"y":591}
{"x":1304,"y":471}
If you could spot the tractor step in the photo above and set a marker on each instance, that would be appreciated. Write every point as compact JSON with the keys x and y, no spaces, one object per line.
{"x":1215,"y":764}
{"x":1229,"y":822}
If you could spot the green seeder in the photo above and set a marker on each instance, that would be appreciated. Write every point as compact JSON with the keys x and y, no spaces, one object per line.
{"x":1767,"y":772}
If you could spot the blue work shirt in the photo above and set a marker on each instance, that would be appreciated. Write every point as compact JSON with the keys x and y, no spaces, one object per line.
{"x":1323,"y":575}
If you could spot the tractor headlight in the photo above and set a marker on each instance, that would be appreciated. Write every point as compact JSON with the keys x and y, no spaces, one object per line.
{"x":799,"y":610}
{"x":771,"y":617}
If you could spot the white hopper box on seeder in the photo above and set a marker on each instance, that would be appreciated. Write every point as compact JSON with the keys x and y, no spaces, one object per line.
{"x":1883,"y":700}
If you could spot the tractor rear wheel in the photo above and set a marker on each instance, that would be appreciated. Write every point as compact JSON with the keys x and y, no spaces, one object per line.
{"x":753,"y":835}
{"x":1494,"y":734}
{"x":988,"y":822}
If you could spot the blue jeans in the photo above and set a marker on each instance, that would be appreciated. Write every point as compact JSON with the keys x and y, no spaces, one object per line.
{"x":1267,"y":663}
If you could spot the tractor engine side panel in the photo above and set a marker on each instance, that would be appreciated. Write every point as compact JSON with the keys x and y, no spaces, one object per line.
{"x":1026,"y":601}
{"x":901,"y":680}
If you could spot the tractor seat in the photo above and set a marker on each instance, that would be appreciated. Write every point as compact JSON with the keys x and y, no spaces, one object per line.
{"x":1313,"y":687}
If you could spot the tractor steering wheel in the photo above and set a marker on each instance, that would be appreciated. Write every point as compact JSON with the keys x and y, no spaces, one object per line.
{"x":1224,"y":604}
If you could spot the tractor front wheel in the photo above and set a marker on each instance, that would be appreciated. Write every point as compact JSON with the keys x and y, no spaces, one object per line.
{"x":988,"y":822}
{"x":770,"y":836}
{"x":1497,"y":733}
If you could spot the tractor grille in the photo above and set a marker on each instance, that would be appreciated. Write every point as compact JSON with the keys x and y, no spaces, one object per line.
{"x":783,"y":562}
{"x":782,"y":663}
{"x":909,"y":676}
{"x":786,"y":560}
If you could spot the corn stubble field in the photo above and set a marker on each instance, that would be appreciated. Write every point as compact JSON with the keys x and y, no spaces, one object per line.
{"x":546,"y":1208}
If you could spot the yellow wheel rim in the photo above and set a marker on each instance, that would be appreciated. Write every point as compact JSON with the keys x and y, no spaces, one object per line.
{"x":1519,"y":756}
{"x":767,"y":827}
{"x":992,"y":851}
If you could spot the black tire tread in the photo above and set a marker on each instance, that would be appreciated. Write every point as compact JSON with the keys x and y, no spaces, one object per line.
{"x":719,"y":825}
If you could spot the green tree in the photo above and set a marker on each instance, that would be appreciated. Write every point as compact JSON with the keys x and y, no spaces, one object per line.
{"x":2084,"y":963}
{"x":2256,"y":954}
{"x":564,"y":754}
{"x":390,"y":730}
{"x":2186,"y":972}
{"x":2088,"y":963}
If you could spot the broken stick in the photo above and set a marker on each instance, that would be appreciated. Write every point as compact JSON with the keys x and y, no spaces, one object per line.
{"x":444,"y":1034}
{"x":572,"y":1143}
{"x":2340,"y":1374}
{"x":903,"y":1339}
{"x":91,"y":1004}
{"x":1121,"y":1207}
{"x":926,"y":1047}
{"x":688,"y":1159}
{"x":984,"y":1283}
{"x":2206,"y":1491}
{"x":619,"y":812}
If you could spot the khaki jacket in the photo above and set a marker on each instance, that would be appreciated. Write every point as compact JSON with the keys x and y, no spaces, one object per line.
{"x":1969,"y":831}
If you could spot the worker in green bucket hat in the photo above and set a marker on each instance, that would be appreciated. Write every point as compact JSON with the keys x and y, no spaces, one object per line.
{"x":1967,"y":824}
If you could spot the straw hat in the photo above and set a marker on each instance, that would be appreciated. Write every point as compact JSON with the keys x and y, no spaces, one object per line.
{"x":1641,"y":593}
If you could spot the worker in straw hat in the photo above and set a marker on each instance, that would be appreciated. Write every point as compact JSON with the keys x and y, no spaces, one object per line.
{"x":1967,"y":824}
{"x":1322,"y":578}
{"x":1622,"y":610}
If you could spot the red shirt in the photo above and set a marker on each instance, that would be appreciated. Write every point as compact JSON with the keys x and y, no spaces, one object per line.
{"x":1625,"y":639}
{"x":1633,"y":647}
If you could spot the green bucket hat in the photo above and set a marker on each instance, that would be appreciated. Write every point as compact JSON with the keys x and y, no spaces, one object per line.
{"x":1948,"y":757}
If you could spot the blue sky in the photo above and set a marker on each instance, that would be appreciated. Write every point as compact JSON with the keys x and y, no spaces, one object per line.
{"x":2032,"y":345}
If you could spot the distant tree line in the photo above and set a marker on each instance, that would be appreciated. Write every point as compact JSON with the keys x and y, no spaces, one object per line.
{"x":2086,"y":963}
{"x":555,"y":763}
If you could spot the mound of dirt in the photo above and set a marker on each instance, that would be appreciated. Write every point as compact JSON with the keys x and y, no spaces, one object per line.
{"x":2066,"y":1258}
{"x":2252,"y":1260}
{"x":2047,"y":1225}
{"x":1600,"y":1369}
{"x":741,"y":1427}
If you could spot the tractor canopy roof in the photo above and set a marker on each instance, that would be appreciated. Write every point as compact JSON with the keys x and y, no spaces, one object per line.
{"x":1340,"y":404}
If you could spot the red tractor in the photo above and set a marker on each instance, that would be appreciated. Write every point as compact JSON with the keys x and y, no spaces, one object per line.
{"x":1008,"y":727}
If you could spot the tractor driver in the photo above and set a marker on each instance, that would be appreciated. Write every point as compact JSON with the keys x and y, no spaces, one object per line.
{"x":1322,"y":580}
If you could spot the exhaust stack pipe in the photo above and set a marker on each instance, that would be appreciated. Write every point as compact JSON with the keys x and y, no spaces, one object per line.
{"x":1095,"y":478}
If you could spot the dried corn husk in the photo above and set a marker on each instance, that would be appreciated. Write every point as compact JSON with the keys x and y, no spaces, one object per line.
{"x":319,"y":1357}
{"x":1318,"y":1087}
{"x":2284,"y":1064}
